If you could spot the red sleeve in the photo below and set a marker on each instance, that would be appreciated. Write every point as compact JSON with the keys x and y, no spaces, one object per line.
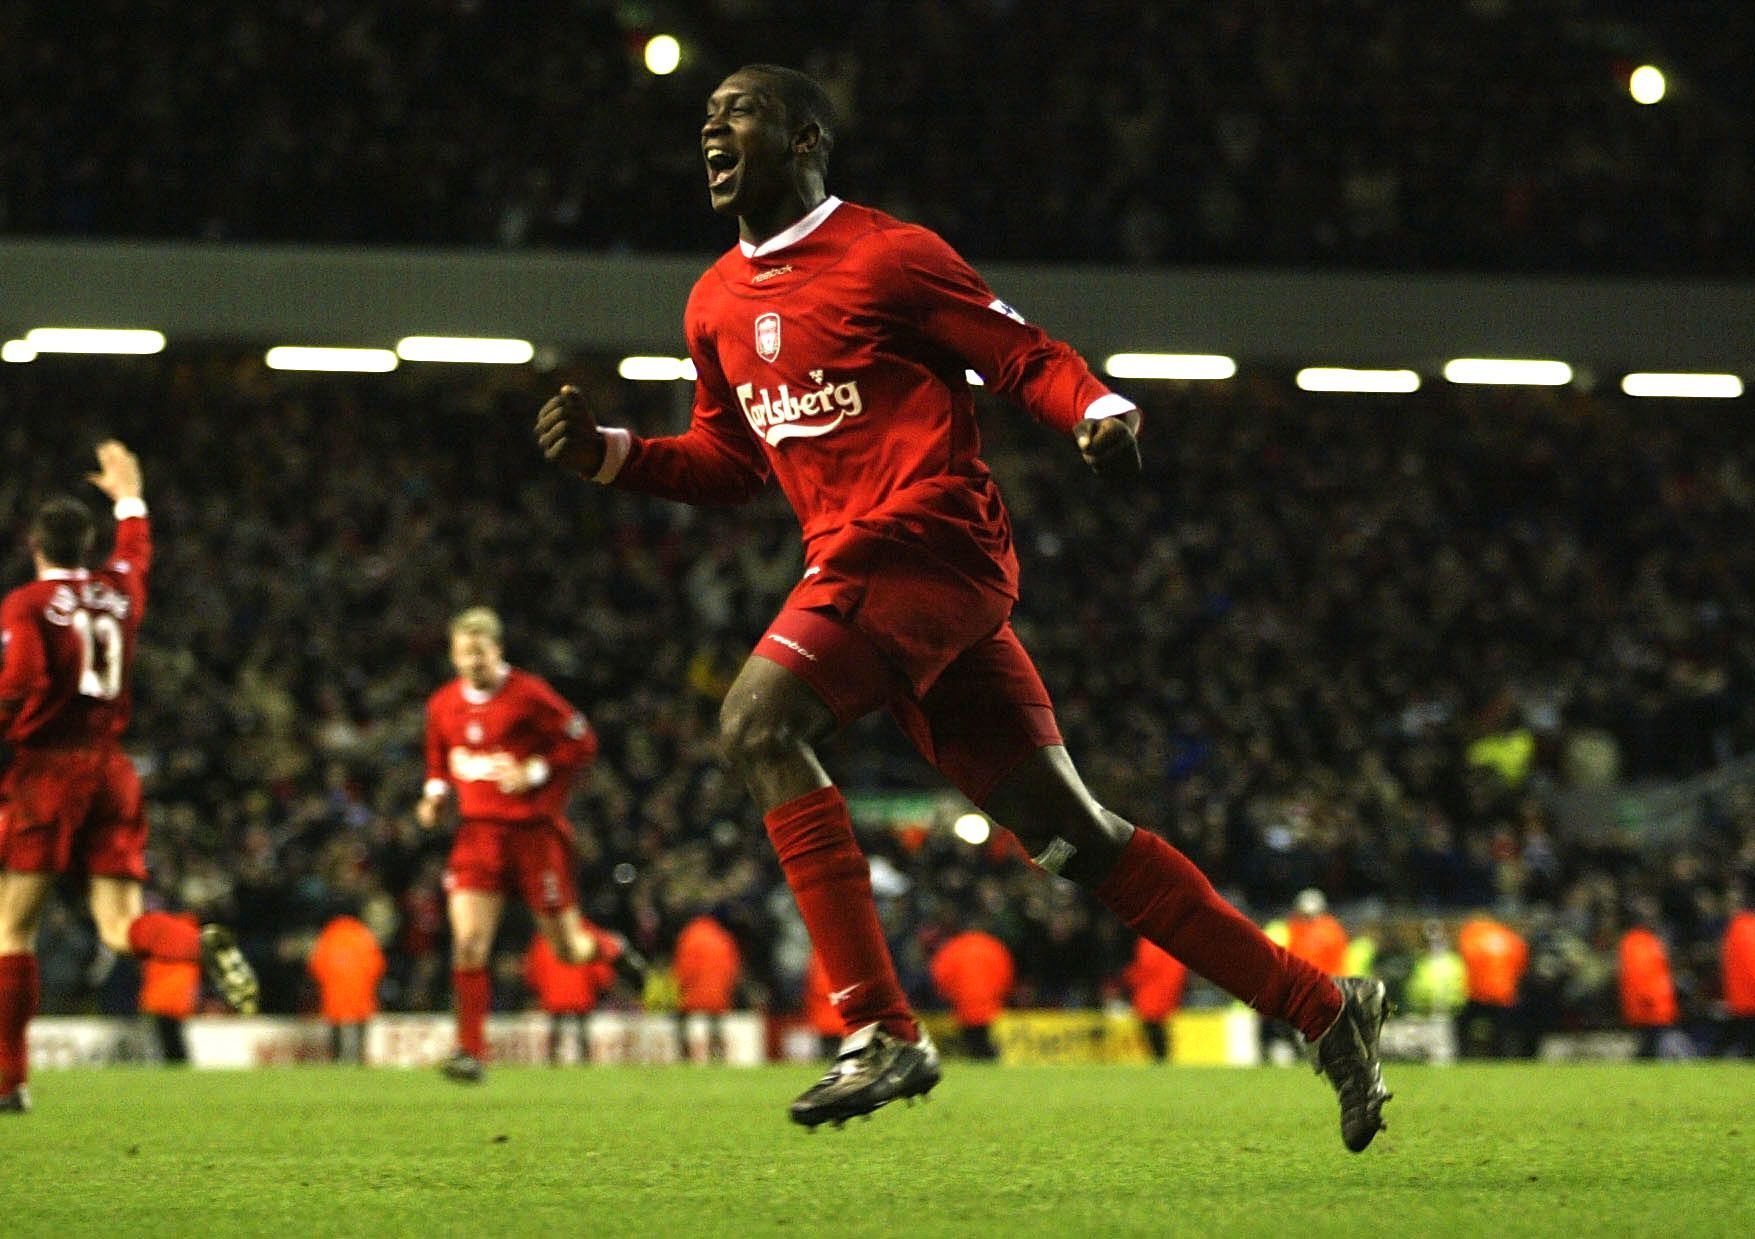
{"x":133,"y":556}
{"x":570,"y":746}
{"x":25,"y":669}
{"x":716,"y":461}
{"x":953,"y":306}
{"x":436,"y":771}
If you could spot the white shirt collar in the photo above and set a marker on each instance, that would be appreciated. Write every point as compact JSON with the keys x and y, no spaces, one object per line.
{"x":480,"y":696}
{"x":797,"y":232}
{"x":63,"y":574}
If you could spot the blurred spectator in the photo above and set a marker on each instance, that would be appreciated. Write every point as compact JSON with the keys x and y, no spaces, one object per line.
{"x":169,"y":990}
{"x":1494,"y":957}
{"x":973,"y":971}
{"x":568,"y":993}
{"x":1155,"y":980}
{"x":1648,"y":990}
{"x":706,"y":963}
{"x":347,"y":964}
{"x":1438,"y":985}
{"x":1315,"y":936}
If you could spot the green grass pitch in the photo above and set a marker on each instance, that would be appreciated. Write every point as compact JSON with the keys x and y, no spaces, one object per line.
{"x":1511,"y":1149}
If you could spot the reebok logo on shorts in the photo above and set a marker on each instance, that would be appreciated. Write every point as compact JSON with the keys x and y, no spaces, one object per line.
{"x":792,"y":645}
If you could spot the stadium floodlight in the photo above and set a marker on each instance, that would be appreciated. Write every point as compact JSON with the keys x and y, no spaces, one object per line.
{"x":340,"y":360}
{"x":1647,"y":85}
{"x":1508,"y":371}
{"x":973,"y":379}
{"x":477,"y":350}
{"x":1169,"y":366}
{"x":663,"y":55}
{"x":130,"y":340}
{"x":17,"y":351}
{"x":657,"y":369}
{"x":1684,"y":386}
{"x":972,"y":828}
{"x":1341,"y":379}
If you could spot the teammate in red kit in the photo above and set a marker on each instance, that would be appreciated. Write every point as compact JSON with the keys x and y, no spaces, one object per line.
{"x":831,"y":345}
{"x":69,"y":799}
{"x":511,"y":748}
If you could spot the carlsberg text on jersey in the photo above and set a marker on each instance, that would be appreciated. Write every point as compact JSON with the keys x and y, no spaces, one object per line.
{"x":780,"y":415}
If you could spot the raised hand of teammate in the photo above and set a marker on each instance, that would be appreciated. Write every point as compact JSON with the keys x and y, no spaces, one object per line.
{"x":1111,"y":445}
{"x":118,"y":473}
{"x":567,"y":433}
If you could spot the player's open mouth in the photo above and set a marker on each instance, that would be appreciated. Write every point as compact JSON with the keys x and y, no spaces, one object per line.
{"x":721,"y":167}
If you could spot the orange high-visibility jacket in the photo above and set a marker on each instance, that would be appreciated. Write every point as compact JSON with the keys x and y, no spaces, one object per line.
{"x":347,"y":964}
{"x":706,"y":965}
{"x":1494,"y":959}
{"x":973,"y":971}
{"x":1737,"y":956}
{"x":170,"y":987}
{"x":562,"y":988}
{"x":1648,"y":994}
{"x":1319,"y":941}
{"x":1156,"y":979}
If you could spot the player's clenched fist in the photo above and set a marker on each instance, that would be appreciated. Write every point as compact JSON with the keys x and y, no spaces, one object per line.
{"x":567,"y":433}
{"x":1110,"y":445}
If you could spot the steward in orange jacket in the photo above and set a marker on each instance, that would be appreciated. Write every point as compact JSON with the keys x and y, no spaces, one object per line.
{"x":1737,"y":961}
{"x":347,"y":964}
{"x":1316,"y":937}
{"x":1156,"y":980}
{"x":706,"y":964}
{"x":169,"y":989}
{"x":1648,"y":992}
{"x":566,"y":991}
{"x":973,"y":971}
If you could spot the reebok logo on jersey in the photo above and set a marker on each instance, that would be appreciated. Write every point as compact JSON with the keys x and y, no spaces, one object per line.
{"x":792,"y":645}
{"x":779,"y":415}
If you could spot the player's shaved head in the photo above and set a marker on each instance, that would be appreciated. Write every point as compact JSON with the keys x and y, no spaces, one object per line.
{"x":478,"y":622}
{"x":806,"y":103}
{"x":63,"y":532}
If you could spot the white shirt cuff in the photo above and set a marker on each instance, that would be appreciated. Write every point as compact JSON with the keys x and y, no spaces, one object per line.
{"x":1112,"y":405}
{"x":436,"y":787}
{"x":126,"y":508}
{"x":617,"y":443}
{"x":536,"y":772}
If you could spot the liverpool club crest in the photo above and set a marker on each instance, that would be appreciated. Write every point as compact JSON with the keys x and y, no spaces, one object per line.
{"x":768,"y":336}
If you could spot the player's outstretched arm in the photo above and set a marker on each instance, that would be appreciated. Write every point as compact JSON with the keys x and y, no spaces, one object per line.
{"x":568,"y":433}
{"x":1111,"y":445}
{"x":118,"y":473}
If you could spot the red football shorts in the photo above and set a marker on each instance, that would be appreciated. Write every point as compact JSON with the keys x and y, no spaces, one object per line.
{"x":73,"y":811}
{"x":535,"y":859}
{"x":984,"y":713}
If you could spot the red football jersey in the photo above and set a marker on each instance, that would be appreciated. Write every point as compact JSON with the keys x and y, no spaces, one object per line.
{"x":69,"y":641}
{"x":471,"y":735}
{"x":833,"y":357}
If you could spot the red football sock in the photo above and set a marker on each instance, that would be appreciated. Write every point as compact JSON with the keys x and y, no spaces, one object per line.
{"x":829,"y":876}
{"x":159,"y":935}
{"x":18,"y":1002}
{"x":1160,"y":895}
{"x":471,"y":987}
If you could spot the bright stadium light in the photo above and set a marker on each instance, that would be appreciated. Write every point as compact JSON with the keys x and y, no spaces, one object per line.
{"x":1684,"y":386}
{"x":1508,"y":371}
{"x":973,"y":379}
{"x":95,"y":340}
{"x":349,"y":360}
{"x":972,"y":829}
{"x":1647,"y":84}
{"x":1169,"y":366}
{"x":17,"y":352}
{"x":1337,"y":378}
{"x":657,"y":369}
{"x":663,"y":55}
{"x":478,"y":350}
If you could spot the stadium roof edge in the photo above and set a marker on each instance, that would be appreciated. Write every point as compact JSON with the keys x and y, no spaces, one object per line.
{"x":266,"y":293}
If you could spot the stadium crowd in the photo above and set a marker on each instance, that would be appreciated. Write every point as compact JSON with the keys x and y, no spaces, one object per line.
{"x":1358,"y":644}
{"x":1353,"y":132}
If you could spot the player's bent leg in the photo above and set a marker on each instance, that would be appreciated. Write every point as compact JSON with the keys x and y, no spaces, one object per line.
{"x":768,"y":723}
{"x":21,"y":906}
{"x":116,"y":909}
{"x":1161,"y":895}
